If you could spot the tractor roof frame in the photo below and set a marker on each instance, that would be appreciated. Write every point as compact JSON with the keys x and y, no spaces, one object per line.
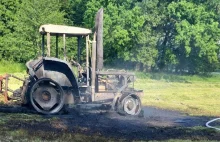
{"x":64,"y":31}
{"x":59,"y":30}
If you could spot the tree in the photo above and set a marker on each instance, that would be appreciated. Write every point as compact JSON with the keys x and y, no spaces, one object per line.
{"x":74,"y":10}
{"x":181,"y":35}
{"x":190,"y":38}
{"x":24,"y":42}
{"x":196,"y":36}
{"x":124,"y":32}
{"x":146,"y":51}
{"x":8,"y":8}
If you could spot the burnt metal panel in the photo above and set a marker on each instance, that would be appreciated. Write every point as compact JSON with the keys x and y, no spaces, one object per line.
{"x":56,"y":69}
{"x":60,"y":72}
{"x":106,"y":97}
{"x":99,"y":38}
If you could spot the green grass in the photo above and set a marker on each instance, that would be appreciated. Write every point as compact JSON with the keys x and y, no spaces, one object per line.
{"x":195,"y":95}
{"x":212,"y":77}
{"x":11,"y":67}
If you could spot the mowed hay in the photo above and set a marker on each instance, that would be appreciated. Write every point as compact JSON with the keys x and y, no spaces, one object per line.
{"x":195,"y":98}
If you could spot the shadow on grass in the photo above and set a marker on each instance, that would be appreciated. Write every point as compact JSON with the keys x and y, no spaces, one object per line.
{"x":98,"y":126}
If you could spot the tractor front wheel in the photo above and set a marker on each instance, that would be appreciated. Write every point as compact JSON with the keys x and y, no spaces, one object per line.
{"x":130,"y":105}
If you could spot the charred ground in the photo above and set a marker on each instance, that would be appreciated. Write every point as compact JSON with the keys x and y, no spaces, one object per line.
{"x":157,"y":124}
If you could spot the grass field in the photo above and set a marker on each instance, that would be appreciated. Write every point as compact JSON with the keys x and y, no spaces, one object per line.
{"x":11,"y":67}
{"x":195,"y":95}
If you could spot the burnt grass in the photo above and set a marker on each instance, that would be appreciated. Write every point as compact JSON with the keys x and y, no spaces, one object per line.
{"x":95,"y":125}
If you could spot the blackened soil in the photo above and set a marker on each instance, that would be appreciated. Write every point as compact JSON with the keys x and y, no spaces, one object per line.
{"x":156,"y":124}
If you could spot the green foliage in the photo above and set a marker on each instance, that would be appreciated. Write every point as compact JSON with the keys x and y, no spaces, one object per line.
{"x":191,"y":37}
{"x":196,"y":35}
{"x":147,"y":40}
{"x":180,"y":36}
{"x":8,"y":8}
{"x":23,"y":43}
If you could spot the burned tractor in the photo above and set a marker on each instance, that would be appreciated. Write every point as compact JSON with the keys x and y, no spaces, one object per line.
{"x":52,"y":84}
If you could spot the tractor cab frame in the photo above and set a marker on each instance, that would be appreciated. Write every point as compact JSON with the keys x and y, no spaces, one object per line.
{"x":52,"y":84}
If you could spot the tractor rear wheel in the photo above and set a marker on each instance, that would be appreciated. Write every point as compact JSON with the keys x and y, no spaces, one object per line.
{"x":47,"y":96}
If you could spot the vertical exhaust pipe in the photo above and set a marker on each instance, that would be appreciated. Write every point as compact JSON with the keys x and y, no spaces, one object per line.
{"x":97,"y":50}
{"x":99,"y":39}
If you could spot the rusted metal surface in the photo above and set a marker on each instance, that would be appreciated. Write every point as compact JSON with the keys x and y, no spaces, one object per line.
{"x":48,"y":44}
{"x":4,"y":89}
{"x":114,"y":81}
{"x":1,"y":83}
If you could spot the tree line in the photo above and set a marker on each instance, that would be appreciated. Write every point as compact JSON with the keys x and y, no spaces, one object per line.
{"x":151,"y":35}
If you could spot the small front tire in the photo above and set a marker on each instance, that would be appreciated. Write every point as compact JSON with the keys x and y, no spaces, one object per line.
{"x":130,"y":105}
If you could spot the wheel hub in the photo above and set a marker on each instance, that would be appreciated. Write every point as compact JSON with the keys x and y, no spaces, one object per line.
{"x":131,"y":105}
{"x":46,"y":96}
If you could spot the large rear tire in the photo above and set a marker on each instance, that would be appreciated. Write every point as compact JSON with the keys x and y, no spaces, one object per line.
{"x":47,"y":96}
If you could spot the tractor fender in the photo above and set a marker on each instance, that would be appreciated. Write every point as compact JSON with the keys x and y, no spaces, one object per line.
{"x":56,"y":69}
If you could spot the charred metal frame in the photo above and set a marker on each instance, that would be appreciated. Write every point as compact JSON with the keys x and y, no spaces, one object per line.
{"x":42,"y":46}
{"x":88,"y":42}
{"x":125,"y":75}
{"x":57,"y":46}
{"x":4,"y":89}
